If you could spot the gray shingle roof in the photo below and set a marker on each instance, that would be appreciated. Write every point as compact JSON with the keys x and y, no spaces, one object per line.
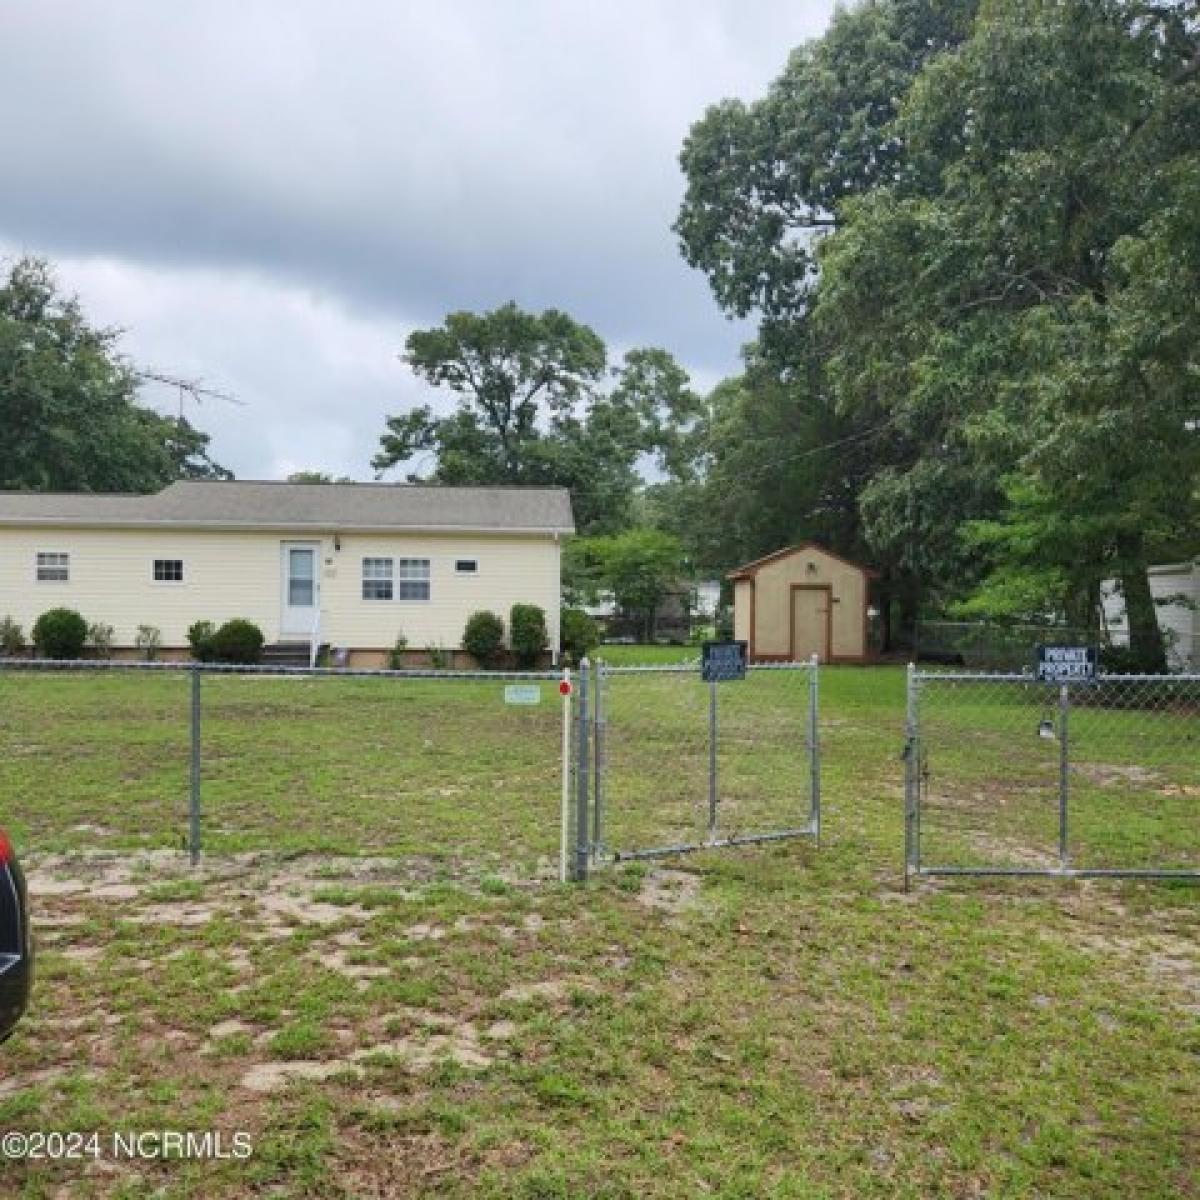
{"x":329,"y":506}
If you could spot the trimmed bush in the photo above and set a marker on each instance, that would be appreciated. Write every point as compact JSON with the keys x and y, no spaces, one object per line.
{"x":200,"y":636}
{"x":395,"y":658}
{"x":12,"y":638}
{"x":60,"y":633}
{"x":238,"y":641}
{"x":527,"y":634}
{"x":149,"y":641}
{"x":100,"y":637}
{"x":580,"y":634}
{"x":483,"y":638}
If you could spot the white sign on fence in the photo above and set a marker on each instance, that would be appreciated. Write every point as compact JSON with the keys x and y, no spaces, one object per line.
{"x":522,"y":693}
{"x":1066,"y":664}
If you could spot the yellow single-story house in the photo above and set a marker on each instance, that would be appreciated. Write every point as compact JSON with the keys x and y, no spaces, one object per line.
{"x":350,"y":566}
{"x":801,"y":601}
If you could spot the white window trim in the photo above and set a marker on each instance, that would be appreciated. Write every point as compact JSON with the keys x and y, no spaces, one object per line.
{"x":428,"y":580}
{"x":364,"y":579}
{"x":394,"y":560}
{"x":169,"y":582}
{"x":37,"y":578}
{"x":468,"y":558}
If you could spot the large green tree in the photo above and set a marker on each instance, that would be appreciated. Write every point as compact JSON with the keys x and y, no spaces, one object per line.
{"x":69,"y":417}
{"x":767,"y":182}
{"x":534,"y":407}
{"x":639,"y":568}
{"x":979,"y":220}
{"x":1011,"y":297}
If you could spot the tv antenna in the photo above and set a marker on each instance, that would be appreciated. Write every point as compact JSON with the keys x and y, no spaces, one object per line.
{"x":188,"y":389}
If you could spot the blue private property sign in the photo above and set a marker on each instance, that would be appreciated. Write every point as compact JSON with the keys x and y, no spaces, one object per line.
{"x":1066,"y":664}
{"x":721,"y":662}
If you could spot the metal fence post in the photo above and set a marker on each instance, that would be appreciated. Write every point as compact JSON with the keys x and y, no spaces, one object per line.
{"x":1064,"y":762}
{"x":910,"y":773}
{"x":582,"y":777}
{"x":564,"y":852}
{"x":712,"y":761}
{"x":814,"y":749}
{"x":194,"y":798}
{"x":598,"y":749}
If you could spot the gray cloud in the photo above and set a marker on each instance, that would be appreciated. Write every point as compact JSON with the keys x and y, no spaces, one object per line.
{"x":385,"y":162}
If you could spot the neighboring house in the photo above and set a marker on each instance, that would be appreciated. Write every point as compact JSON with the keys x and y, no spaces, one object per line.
{"x":801,"y":601}
{"x":673,"y":618}
{"x":707,"y":601}
{"x":1179,"y":617}
{"x":349,"y":566}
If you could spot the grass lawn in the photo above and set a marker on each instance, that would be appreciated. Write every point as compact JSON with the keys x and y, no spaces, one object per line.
{"x":375,"y":975}
{"x":644,"y":656}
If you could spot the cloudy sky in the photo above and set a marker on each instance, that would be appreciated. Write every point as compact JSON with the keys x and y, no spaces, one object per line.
{"x":271,"y":193}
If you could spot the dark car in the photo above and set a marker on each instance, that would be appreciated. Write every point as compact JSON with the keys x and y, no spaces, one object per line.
{"x":16,"y":949}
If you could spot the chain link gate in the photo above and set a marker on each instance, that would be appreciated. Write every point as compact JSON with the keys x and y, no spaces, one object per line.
{"x":667,"y":764}
{"x":1008,"y":775}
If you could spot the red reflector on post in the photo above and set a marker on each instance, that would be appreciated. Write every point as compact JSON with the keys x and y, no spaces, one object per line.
{"x":564,"y":688}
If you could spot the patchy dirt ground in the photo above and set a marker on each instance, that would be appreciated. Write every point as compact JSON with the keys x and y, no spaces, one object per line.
{"x":377,"y":1030}
{"x":441,"y":1018}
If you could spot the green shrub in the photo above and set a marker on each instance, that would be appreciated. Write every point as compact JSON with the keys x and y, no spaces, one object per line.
{"x":201,"y":636}
{"x":527,"y":633}
{"x":100,"y":636}
{"x":483,"y":638}
{"x":238,"y":641}
{"x":60,"y":633}
{"x":724,"y":626}
{"x":440,"y":658}
{"x":148,"y":641}
{"x":1124,"y":660}
{"x":580,"y":634}
{"x":395,"y":658}
{"x":12,"y":638}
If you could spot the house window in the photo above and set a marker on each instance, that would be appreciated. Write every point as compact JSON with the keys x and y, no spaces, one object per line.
{"x":412,"y":576}
{"x":466,"y":566}
{"x":377,"y":578}
{"x":53,"y":567}
{"x":168,"y":570}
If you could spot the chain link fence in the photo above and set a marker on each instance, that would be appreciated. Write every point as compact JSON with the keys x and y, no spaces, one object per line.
{"x":466,"y":772}
{"x":988,"y":645}
{"x":1008,"y":775}
{"x":681,"y":765}
{"x":459,"y":770}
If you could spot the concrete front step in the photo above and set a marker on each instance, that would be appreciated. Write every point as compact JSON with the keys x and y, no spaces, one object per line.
{"x":286,"y":654}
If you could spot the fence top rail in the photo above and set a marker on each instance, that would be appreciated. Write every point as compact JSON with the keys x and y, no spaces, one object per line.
{"x":103,"y":664}
{"x":692,"y":667}
{"x":1029,"y":677}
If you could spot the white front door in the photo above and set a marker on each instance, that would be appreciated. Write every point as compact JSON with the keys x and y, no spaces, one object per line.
{"x":301,"y":590}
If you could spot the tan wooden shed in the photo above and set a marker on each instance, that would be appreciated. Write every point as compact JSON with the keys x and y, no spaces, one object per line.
{"x":801,"y":601}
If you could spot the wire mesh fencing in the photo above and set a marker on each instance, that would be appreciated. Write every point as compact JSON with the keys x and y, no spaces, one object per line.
{"x":461,"y":770}
{"x":1009,"y":775}
{"x":684,"y":765}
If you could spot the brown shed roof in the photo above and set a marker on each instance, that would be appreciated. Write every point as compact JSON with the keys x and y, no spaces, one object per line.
{"x":750,"y":569}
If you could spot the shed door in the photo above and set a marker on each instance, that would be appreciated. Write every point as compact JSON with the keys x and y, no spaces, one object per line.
{"x":810,"y":622}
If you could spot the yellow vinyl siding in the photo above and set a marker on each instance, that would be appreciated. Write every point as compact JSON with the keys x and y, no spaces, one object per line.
{"x":512,"y":570}
{"x":229,"y":574}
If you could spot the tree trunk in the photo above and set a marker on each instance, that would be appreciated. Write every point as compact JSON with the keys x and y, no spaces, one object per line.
{"x":883,"y":600}
{"x":1145,"y":636}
